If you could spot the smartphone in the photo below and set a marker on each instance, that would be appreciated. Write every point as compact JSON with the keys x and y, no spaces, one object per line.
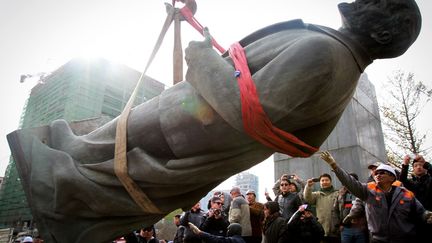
{"x":316,"y":179}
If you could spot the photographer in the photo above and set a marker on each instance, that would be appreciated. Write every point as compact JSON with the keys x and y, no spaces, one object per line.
{"x":216,"y":222}
{"x":304,"y":227}
{"x":420,"y":184}
{"x":421,"y":181}
{"x":324,"y":200}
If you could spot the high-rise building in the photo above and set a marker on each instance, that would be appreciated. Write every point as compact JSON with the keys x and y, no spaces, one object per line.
{"x":80,"y":89}
{"x":247,"y":181}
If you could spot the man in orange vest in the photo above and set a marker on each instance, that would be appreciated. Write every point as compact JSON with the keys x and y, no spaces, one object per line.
{"x":391,"y":210}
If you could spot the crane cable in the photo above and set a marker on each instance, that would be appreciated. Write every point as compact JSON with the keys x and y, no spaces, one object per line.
{"x":120,"y":152}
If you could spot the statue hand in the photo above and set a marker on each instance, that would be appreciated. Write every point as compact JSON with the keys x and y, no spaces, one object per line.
{"x":195,"y":49}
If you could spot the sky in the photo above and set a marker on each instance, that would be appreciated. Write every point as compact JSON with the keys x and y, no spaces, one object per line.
{"x":40,"y":35}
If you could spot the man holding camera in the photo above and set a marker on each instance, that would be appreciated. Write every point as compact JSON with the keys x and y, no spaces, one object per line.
{"x":216,"y":222}
{"x":420,"y":184}
{"x":421,"y":181}
{"x":324,"y":200}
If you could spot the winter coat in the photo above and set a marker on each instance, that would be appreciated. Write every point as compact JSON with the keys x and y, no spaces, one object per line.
{"x":239,"y":213}
{"x":215,"y":226}
{"x":275,"y":229}
{"x":324,"y":202}
{"x":179,"y":236}
{"x":195,"y":217}
{"x":288,"y":204}
{"x":387,"y":221}
{"x":307,"y":230}
{"x":420,"y":186}
{"x":256,"y":218}
{"x":220,"y":239}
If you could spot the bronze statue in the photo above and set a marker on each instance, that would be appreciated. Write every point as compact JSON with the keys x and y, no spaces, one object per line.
{"x":189,"y":139}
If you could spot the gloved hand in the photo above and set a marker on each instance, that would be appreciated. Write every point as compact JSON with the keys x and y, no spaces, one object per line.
{"x":326,"y":156}
{"x":194,"y":228}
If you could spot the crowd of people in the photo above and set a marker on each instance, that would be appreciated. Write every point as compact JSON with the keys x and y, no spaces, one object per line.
{"x":389,"y":207}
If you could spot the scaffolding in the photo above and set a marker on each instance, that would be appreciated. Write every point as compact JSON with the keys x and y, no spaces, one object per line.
{"x":79,"y":90}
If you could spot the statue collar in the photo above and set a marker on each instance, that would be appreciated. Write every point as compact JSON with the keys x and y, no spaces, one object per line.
{"x":358,"y":52}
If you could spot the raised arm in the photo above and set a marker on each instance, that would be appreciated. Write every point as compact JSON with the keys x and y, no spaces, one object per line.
{"x":354,"y":186}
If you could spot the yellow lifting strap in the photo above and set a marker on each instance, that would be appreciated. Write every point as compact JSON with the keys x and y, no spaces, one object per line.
{"x":120,"y":155}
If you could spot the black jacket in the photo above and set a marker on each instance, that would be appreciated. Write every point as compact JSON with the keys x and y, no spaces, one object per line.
{"x":304,"y":230}
{"x":420,"y":186}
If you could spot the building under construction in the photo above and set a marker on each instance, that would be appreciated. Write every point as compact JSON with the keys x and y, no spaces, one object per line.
{"x":80,"y":89}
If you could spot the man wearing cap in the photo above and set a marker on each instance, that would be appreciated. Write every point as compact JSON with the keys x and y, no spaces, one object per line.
{"x":239,"y":212}
{"x":420,"y":184}
{"x":372,"y":167}
{"x":391,"y":210}
{"x":256,"y":217}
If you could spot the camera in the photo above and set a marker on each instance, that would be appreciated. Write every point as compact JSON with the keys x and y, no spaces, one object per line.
{"x":316,"y":179}
{"x":216,"y":211}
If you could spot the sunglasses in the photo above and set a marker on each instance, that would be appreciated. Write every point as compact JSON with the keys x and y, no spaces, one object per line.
{"x":380,"y":172}
{"x":284,"y":184}
{"x":219,"y":203}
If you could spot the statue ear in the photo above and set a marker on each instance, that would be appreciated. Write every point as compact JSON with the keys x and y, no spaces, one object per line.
{"x":382,"y":37}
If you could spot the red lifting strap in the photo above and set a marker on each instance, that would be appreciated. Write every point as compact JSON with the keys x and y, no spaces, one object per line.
{"x":256,"y":123}
{"x":187,"y":14}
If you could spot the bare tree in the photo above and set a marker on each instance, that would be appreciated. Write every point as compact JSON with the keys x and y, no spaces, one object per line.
{"x":404,"y":101}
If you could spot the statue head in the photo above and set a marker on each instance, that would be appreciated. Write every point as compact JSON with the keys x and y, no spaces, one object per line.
{"x":386,"y":28}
